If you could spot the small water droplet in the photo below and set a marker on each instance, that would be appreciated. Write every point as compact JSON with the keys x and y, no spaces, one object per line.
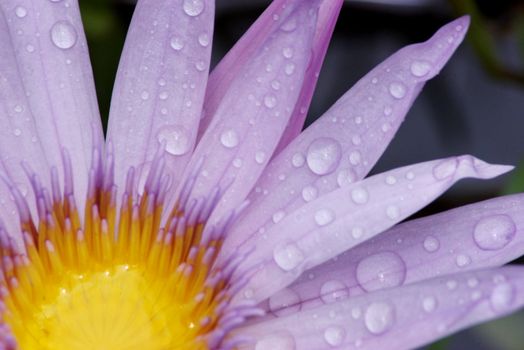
{"x":237,"y":163}
{"x":356,"y":140}
{"x":144,"y":95}
{"x":163,"y":95}
{"x":309,"y":193}
{"x":275,"y":84}
{"x":420,"y":68}
{"x":20,"y":12}
{"x":451,"y":284}
{"x":30,"y":48}
{"x":288,"y":256}
{"x":391,"y":180}
{"x":63,"y":35}
{"x":381,"y":270}
{"x":278,"y":216}
{"x":502,"y":297}
{"x":334,"y":335}
{"x":176,"y":43}
{"x":287,"y":52}
{"x":379,"y":317}
{"x":494,"y":232}
{"x":359,"y":195}
{"x":357,"y":232}
{"x":176,"y":139}
{"x":431,"y":244}
{"x":393,"y":212}
{"x":346,"y":177}
{"x":429,"y":304}
{"x":289,"y":69}
{"x":229,"y":138}
{"x":203,"y":39}
{"x":324,"y":217}
{"x":18,"y":109}
{"x":397,"y":90}
{"x":323,"y":155}
{"x":284,"y":302}
{"x":298,"y":160}
{"x":200,"y":65}
{"x":260,"y":157}
{"x":332,"y":291}
{"x":289,"y":25}
{"x":462,"y":260}
{"x":193,"y":8}
{"x":17,"y":132}
{"x":270,"y":101}
{"x":355,"y":157}
{"x":445,"y":169}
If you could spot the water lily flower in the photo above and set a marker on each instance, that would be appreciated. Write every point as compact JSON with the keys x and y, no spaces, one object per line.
{"x":206,"y":219}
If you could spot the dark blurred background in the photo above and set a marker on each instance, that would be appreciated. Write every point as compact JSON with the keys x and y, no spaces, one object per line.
{"x":476,"y":105}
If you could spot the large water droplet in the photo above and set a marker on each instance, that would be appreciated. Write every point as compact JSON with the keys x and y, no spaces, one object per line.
{"x":229,"y":138}
{"x":381,"y":270}
{"x":359,"y":195}
{"x":420,"y":68}
{"x":431,"y":244}
{"x":494,"y":232}
{"x":324,"y":217}
{"x":284,"y":302}
{"x":332,"y":291}
{"x":193,"y":7}
{"x":280,"y":341}
{"x":397,"y":90}
{"x":334,"y":335}
{"x":288,"y":256}
{"x":323,"y":155}
{"x":379,"y":317}
{"x":445,"y":169}
{"x":63,"y":35}
{"x":502,"y":297}
{"x":176,"y":139}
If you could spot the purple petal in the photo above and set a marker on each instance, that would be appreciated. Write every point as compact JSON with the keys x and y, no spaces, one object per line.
{"x":481,"y":235}
{"x":242,"y":53}
{"x":255,"y":110}
{"x":399,"y":318}
{"x":344,"y":144}
{"x":160,"y":85}
{"x":47,"y":92}
{"x":346,"y":217}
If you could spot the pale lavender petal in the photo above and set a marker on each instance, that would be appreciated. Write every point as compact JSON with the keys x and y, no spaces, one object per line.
{"x":160,"y":86}
{"x":241,"y":54}
{"x":480,"y":235}
{"x":344,"y":144}
{"x":47,"y":91}
{"x":255,"y":110}
{"x":346,"y":217}
{"x":399,"y":318}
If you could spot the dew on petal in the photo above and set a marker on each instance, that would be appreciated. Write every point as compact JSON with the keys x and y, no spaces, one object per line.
{"x":346,"y":177}
{"x":260,"y":157}
{"x":502,"y":297}
{"x":284,"y":302}
{"x":334,"y":335}
{"x":229,"y":138}
{"x":203,"y":39}
{"x":393,"y":212}
{"x":462,"y":260}
{"x":176,"y":139}
{"x":309,"y":193}
{"x":359,"y":195}
{"x":63,"y":35}
{"x":420,"y":68}
{"x":20,"y":12}
{"x":176,"y":43}
{"x":323,"y":155}
{"x":270,"y":101}
{"x":324,"y":217}
{"x":193,"y":8}
{"x":333,"y":290}
{"x":278,"y":216}
{"x":494,"y":232}
{"x":381,"y":270}
{"x":429,"y":304}
{"x":379,"y":317}
{"x":298,"y":160}
{"x":397,"y":90}
{"x":431,"y":244}
{"x":288,"y":256}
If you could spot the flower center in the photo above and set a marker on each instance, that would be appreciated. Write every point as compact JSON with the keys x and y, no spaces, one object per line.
{"x":133,"y":278}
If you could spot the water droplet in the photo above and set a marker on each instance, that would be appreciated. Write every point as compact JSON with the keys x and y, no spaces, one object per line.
{"x":346,"y":177}
{"x":309,"y":193}
{"x":19,"y":109}
{"x":420,"y":68}
{"x":284,"y":302}
{"x":410,"y":175}
{"x":193,"y":8}
{"x":290,"y":25}
{"x":323,"y":155}
{"x":397,"y":90}
{"x":393,"y":212}
{"x":260,"y":157}
{"x":200,"y":65}
{"x":17,"y":132}
{"x":429,"y":304}
{"x":282,"y":341}
{"x":494,"y":232}
{"x":270,"y":101}
{"x":357,"y":232}
{"x":278,"y":216}
{"x":176,"y":139}
{"x":30,"y":48}
{"x":287,"y":52}
{"x":359,"y":195}
{"x":237,"y":163}
{"x":176,"y":43}
{"x":229,"y":138}
{"x":391,"y":180}
{"x":324,"y":217}
{"x":445,"y":169}
{"x":288,"y":256}
{"x":298,"y":160}
{"x":462,"y":260}
{"x":275,"y":84}
{"x":332,"y":291}
{"x":502,"y":297}
{"x":163,"y":95}
{"x":145,"y":95}
{"x":356,"y":140}
{"x":334,"y":335}
{"x":63,"y":35}
{"x":355,"y":157}
{"x":473,"y":282}
{"x":431,"y":244}
{"x":203,"y":39}
{"x":289,"y":69}
{"x":379,"y":317}
{"x":381,"y":270}
{"x":20,"y":12}
{"x":451,"y":284}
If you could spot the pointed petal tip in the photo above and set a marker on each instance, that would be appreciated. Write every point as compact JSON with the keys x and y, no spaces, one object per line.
{"x":472,"y":166}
